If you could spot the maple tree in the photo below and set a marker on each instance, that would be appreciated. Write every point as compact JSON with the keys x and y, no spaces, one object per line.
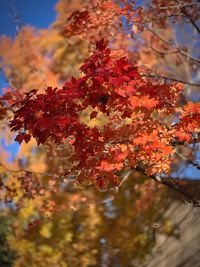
{"x":111,"y":86}
{"x":124,"y":111}
{"x":116,"y":88}
{"x":145,"y":119}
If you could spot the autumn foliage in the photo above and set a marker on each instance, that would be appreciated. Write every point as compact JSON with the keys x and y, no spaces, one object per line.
{"x":104,"y":105}
{"x":145,"y":119}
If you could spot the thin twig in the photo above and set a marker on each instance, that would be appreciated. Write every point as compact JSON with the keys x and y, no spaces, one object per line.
{"x":173,"y":44}
{"x":32,"y":173}
{"x":175,"y":6}
{"x":157,"y":76}
{"x":183,"y":8}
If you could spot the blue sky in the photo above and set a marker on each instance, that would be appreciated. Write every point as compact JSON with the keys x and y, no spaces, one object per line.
{"x":16,"y":13}
{"x":39,"y":13}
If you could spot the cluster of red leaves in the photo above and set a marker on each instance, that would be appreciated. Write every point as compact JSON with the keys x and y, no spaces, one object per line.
{"x":99,"y":18}
{"x":95,"y":21}
{"x":8,"y":99}
{"x":145,"y":119}
{"x":3,"y":111}
{"x":188,"y":127}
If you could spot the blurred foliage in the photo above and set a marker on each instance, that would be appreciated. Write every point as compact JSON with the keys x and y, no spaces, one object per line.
{"x":74,"y":227}
{"x":88,"y":228}
{"x":7,"y":255}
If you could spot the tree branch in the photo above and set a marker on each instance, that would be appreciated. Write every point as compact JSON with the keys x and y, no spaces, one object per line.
{"x":176,"y":47}
{"x":157,"y":76}
{"x":176,"y":6}
{"x":183,"y":9}
{"x":175,"y":187}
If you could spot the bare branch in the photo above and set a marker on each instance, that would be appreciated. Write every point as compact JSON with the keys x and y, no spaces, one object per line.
{"x":173,"y":45}
{"x":168,"y":182}
{"x":157,"y":76}
{"x":177,"y":6}
{"x":183,"y":8}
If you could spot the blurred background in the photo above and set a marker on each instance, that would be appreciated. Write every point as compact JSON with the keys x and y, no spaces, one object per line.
{"x":141,"y":223}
